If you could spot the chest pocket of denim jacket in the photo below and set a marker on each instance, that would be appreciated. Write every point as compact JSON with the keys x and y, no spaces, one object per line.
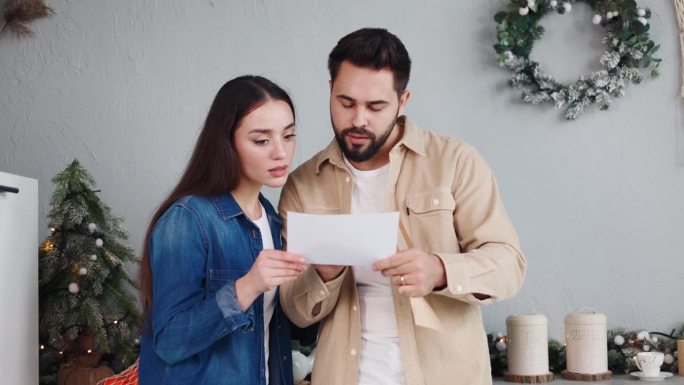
{"x":431,"y":220}
{"x":219,"y":277}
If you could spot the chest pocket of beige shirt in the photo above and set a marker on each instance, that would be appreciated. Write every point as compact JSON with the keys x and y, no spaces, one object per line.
{"x":431,"y":220}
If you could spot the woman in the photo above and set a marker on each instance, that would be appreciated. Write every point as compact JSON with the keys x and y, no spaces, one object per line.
{"x":211,"y":264}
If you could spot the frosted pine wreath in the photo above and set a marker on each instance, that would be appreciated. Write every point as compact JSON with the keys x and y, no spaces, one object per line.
{"x":628,"y":50}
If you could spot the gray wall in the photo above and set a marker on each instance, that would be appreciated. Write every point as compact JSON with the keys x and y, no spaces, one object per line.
{"x":125,"y":85}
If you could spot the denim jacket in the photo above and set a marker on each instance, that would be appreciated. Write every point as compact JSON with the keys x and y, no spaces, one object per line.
{"x":199,"y":334}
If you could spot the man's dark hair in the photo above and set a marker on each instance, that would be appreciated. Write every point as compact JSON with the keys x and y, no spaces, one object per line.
{"x":373,"y":48}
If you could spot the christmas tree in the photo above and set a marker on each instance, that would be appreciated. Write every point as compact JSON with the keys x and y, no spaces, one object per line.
{"x":87,"y":311}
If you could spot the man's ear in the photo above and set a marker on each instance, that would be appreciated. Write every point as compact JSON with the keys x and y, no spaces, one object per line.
{"x":403,"y":101}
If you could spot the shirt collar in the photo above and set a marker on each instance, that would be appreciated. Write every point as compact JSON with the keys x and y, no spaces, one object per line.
{"x":412,"y":140}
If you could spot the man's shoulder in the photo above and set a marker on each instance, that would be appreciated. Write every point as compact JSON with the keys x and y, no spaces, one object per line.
{"x":309,"y":168}
{"x":438,"y":145}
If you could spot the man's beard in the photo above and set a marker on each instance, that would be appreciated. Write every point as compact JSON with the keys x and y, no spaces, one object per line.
{"x":356,"y":153}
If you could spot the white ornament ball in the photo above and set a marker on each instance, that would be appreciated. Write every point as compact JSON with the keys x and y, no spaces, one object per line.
{"x":83,"y":271}
{"x":641,"y":12}
{"x":98,"y":242}
{"x":501,"y":345}
{"x":523,"y":11}
{"x":553,"y":3}
{"x":647,"y":348}
{"x":668,"y":359}
{"x":597,"y":19}
{"x":567,"y":7}
{"x":619,"y":340}
{"x":642,"y":335}
{"x":642,"y":20}
{"x":93,"y":258}
{"x":73,"y":288}
{"x":92,"y":227}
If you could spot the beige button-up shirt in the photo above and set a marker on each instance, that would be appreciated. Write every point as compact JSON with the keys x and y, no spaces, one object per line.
{"x":449,"y":202}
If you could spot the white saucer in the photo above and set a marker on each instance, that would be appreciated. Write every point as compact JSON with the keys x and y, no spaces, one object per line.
{"x":661,"y":376}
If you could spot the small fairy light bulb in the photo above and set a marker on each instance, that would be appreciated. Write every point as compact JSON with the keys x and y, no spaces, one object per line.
{"x":89,"y":351}
{"x":52,"y":230}
{"x":61,"y":352}
{"x":42,"y":347}
{"x":115,"y":322}
{"x":99,"y":242}
{"x":596,"y":20}
{"x":523,"y":11}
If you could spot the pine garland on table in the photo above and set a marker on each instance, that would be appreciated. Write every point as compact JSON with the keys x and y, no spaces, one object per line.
{"x":623,"y":345}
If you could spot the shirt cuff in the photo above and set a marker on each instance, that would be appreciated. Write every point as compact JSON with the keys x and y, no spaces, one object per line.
{"x":226,"y":299}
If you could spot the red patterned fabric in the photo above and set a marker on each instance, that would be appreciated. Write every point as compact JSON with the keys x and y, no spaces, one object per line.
{"x":127,"y":377}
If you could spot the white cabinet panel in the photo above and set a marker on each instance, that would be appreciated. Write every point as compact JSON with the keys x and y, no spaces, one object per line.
{"x":19,"y":280}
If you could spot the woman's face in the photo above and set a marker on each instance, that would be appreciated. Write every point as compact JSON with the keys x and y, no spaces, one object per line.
{"x":265,"y":143}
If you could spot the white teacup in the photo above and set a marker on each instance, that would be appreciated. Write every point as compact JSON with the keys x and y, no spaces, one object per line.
{"x":649,"y":363}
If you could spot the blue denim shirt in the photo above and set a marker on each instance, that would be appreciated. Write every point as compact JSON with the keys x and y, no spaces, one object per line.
{"x":199,"y":334}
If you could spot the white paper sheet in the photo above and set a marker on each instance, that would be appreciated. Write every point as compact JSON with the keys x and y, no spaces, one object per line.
{"x":354,"y":239}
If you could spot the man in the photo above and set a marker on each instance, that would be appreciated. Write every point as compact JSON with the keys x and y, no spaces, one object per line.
{"x":465,"y":250}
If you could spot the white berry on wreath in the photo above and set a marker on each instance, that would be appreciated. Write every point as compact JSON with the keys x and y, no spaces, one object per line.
{"x":567,"y":7}
{"x":92,"y":227}
{"x":619,"y":340}
{"x":641,"y":12}
{"x":668,"y":359}
{"x":523,"y":11}
{"x":553,"y":3}
{"x":642,"y":20}
{"x":93,"y":257}
{"x":597,"y":19}
{"x":83,"y":271}
{"x":99,"y":242}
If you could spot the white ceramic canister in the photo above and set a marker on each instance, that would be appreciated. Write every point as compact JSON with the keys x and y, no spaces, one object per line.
{"x":586,"y":343}
{"x":528,"y":345}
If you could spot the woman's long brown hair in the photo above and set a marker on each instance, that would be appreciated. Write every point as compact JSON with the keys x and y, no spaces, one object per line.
{"x":214,"y":167}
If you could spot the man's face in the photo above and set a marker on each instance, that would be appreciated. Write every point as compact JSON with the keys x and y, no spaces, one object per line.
{"x":364,"y":107}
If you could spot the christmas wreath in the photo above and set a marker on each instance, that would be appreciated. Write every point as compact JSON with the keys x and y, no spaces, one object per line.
{"x":628,"y":50}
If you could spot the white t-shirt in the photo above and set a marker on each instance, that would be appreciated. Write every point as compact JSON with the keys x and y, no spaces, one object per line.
{"x":380,"y":361}
{"x":269,"y":296}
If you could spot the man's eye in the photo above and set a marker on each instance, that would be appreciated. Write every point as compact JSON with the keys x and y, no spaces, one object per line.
{"x":375,"y":108}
